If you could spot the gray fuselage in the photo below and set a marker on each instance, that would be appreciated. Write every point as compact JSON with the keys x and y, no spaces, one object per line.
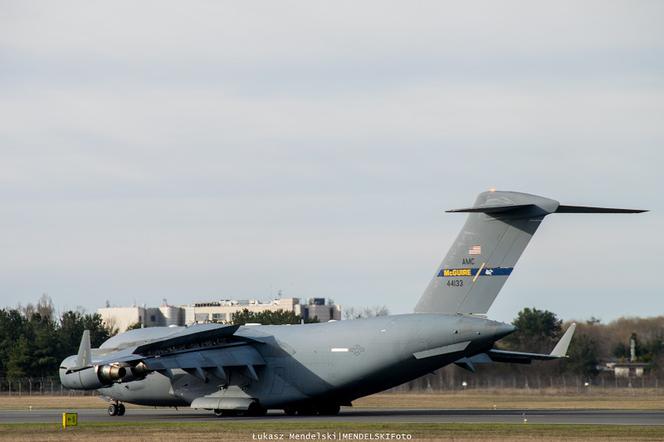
{"x":328,"y":362}
{"x":321,"y":366}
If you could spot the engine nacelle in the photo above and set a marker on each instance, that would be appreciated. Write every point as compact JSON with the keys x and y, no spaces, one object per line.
{"x":135,"y":373}
{"x":110,"y":373}
{"x":91,"y":378}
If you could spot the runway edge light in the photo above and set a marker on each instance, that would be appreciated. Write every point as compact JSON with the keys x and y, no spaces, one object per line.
{"x":69,"y":420}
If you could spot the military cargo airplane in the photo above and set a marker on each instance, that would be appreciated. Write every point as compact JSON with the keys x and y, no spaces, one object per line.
{"x":316,"y":368}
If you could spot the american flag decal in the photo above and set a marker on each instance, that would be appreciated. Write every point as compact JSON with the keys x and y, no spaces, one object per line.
{"x":475,"y":250}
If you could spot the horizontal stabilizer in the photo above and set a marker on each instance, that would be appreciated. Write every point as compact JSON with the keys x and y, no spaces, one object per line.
{"x":561,"y":209}
{"x":587,"y":209}
{"x":491,"y":209}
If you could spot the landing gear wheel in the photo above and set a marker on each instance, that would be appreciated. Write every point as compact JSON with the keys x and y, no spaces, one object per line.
{"x":290,"y":411}
{"x":218,"y":412}
{"x":121,"y":409}
{"x":112,"y":410}
{"x":255,"y":409}
{"x":329,"y":410}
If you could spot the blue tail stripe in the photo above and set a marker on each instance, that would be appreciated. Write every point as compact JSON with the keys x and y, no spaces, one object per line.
{"x":487,"y":271}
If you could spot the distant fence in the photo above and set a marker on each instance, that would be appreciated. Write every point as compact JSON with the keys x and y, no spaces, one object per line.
{"x":438,"y":382}
{"x":38,"y":386}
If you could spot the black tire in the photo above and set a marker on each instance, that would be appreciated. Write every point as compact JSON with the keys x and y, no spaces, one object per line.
{"x":218,"y":412}
{"x":290,"y":411}
{"x":329,"y":410}
{"x":112,"y":410}
{"x":121,"y":409}
{"x":255,"y":409}
{"x":307,"y":411}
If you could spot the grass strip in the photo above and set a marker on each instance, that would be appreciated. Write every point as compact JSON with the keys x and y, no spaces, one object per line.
{"x":262,"y":430}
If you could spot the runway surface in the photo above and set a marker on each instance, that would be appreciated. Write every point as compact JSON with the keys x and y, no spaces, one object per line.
{"x":375,"y":415}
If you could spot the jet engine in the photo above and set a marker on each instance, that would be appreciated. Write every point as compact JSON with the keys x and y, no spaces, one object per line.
{"x":137,"y":372}
{"x":93,"y":377}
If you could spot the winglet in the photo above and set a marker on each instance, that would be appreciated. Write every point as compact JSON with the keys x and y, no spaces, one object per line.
{"x":560,"y":350}
{"x":84,"y":357}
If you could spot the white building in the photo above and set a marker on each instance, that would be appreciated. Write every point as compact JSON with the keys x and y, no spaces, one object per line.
{"x":214,"y":311}
{"x":222,"y":311}
{"x":319,"y":308}
{"x":123,"y":317}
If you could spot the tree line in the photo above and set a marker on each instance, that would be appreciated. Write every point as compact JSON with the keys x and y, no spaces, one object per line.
{"x":593,"y":344}
{"x":269,"y":317}
{"x":34,"y":340}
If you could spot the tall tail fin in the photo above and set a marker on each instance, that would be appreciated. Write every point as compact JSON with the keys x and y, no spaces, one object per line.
{"x":497,"y":231}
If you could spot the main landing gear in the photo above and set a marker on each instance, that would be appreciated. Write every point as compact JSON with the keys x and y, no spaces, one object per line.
{"x":321,"y":410}
{"x":116,"y":409}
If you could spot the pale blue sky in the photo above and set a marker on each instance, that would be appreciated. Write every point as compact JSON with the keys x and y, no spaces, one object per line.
{"x":202,"y":150}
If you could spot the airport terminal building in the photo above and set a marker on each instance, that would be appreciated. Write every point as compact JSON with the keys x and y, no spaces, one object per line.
{"x":125,"y":317}
{"x":214,"y":311}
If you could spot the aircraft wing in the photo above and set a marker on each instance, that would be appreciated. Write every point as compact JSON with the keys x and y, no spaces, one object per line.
{"x":518,"y":357}
{"x":201,"y":350}
{"x":194,"y":336}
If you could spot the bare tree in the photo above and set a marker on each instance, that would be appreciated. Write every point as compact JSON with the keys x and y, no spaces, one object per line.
{"x":45,"y":307}
{"x":366,"y":312}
